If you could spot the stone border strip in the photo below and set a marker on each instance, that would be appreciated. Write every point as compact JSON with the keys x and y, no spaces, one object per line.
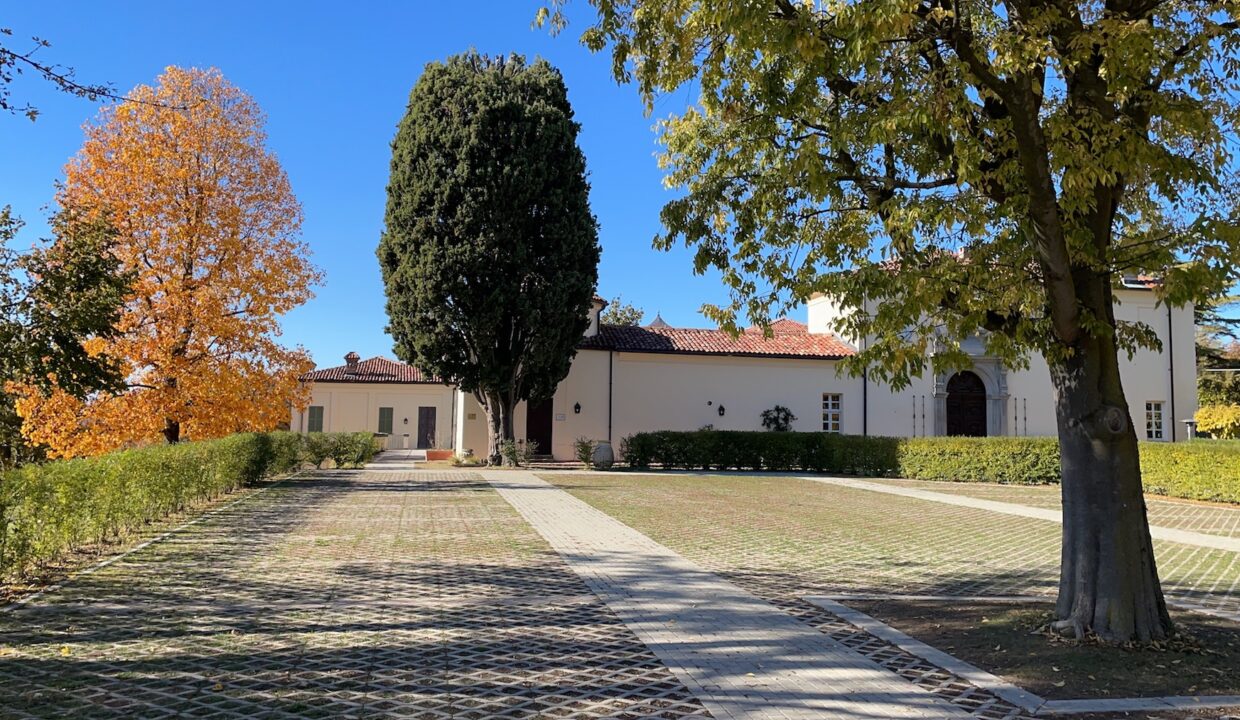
{"x":1024,"y":699}
{"x":27,"y":599}
{"x":741,"y":656}
{"x":1021,"y":698}
{"x":1185,"y":537}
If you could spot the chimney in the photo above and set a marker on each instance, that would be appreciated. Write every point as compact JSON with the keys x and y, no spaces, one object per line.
{"x":350,"y":362}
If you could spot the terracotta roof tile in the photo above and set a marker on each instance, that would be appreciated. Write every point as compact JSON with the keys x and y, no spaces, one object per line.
{"x":374,"y":370}
{"x":788,"y":342}
{"x":783,"y":326}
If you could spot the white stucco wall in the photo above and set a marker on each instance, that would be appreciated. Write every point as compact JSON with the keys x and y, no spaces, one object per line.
{"x":354,"y":407}
{"x":1028,"y":409}
{"x":677,"y":392}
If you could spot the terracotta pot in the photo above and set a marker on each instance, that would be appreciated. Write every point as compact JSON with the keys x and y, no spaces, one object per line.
{"x":439,"y":454}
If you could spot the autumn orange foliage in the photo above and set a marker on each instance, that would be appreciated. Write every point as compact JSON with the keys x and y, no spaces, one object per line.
{"x":209,"y":225}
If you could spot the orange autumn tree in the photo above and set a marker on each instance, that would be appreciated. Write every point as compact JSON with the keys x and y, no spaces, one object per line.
{"x":207,"y":223}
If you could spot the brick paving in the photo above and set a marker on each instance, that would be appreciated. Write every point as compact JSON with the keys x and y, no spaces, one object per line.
{"x":741,"y":655}
{"x":382,"y":593}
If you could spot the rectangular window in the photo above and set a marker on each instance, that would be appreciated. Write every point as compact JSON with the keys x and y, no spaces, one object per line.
{"x":1153,"y":420}
{"x":385,"y":420}
{"x":831,"y":403}
{"x":315,"y":419}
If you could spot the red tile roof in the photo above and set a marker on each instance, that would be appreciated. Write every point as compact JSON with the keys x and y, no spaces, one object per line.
{"x":788,"y":342}
{"x":374,"y":370}
{"x":783,"y":326}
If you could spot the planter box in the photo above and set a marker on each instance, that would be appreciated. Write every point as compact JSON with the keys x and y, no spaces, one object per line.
{"x":440,"y":454}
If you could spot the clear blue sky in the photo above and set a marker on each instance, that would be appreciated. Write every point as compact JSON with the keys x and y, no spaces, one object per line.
{"x":334,"y":79}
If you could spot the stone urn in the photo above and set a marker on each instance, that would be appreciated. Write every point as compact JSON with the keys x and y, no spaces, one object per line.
{"x":603,"y":457}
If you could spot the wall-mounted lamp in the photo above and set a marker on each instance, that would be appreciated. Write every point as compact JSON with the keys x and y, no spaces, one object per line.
{"x":576,"y":408}
{"x":405,"y":421}
{"x":721,"y":411}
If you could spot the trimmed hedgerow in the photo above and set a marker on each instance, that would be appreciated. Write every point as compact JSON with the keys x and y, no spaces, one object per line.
{"x":52,"y":509}
{"x":1202,"y":470}
{"x":1198,"y":470}
{"x":1017,"y":461}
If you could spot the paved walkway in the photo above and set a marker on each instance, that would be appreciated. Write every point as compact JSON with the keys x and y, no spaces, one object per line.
{"x":742,"y":656}
{"x":1184,"y":537}
{"x":349,"y":594}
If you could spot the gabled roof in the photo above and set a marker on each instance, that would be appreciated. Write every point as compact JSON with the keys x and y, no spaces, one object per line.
{"x":788,"y":342}
{"x":783,"y":326}
{"x":374,"y":370}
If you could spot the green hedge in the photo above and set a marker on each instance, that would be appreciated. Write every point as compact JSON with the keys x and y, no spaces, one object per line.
{"x":1201,"y":470}
{"x":52,"y":509}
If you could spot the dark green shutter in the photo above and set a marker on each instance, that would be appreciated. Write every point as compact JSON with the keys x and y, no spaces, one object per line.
{"x":385,"y":420}
{"x":316,"y":418}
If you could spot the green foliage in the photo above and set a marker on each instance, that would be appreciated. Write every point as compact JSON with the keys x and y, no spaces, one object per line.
{"x":950,"y":167}
{"x":778,"y":419}
{"x":1198,"y":470}
{"x":317,"y":447}
{"x":619,"y":312}
{"x":1219,"y":421}
{"x":346,"y":450}
{"x":1203,"y":470}
{"x":351,"y":450}
{"x":583,"y":449}
{"x":1218,"y":388}
{"x":55,"y":508}
{"x":517,"y":453}
{"x":489,"y":250}
{"x":1018,"y":461}
{"x":53,"y":299}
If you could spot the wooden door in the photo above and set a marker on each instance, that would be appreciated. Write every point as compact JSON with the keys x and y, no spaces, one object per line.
{"x":426,"y":427}
{"x":538,"y":420}
{"x":966,"y":405}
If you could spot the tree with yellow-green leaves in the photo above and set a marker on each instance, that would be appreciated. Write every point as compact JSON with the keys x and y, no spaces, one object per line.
{"x":966,"y":167}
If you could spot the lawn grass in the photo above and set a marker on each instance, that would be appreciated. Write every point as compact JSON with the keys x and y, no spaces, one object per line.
{"x":1004,"y":639}
{"x":784,"y":538}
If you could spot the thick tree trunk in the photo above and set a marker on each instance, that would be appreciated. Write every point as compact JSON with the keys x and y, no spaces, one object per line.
{"x":172,"y":431}
{"x":499,"y":410}
{"x":1108,"y":586}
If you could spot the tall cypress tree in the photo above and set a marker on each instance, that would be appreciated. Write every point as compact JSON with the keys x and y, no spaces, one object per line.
{"x":489,"y":252}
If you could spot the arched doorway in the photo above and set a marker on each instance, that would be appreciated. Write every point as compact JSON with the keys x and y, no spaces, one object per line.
{"x":966,"y":405}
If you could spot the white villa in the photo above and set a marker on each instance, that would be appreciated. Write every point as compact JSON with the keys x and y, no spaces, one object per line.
{"x":629,"y":379}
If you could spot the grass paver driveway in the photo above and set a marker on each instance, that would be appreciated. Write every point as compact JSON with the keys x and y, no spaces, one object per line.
{"x":377,"y":593}
{"x":785,"y":537}
{"x":1209,"y":518}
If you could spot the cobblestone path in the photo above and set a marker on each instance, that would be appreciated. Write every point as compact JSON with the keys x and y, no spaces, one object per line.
{"x":377,"y":593}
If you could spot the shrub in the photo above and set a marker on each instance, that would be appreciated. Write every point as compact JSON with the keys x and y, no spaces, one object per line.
{"x":778,"y":419}
{"x":286,"y":455}
{"x":583,"y":448}
{"x":518,"y":453}
{"x":317,"y":447}
{"x":352,"y":450}
{"x":1220,"y":421}
{"x":52,"y":509}
{"x":1197,"y":470}
{"x":1201,"y":470}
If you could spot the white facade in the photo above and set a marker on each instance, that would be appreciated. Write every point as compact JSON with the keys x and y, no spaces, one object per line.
{"x":610,"y":394}
{"x":379,"y":396}
{"x":1159,"y":386}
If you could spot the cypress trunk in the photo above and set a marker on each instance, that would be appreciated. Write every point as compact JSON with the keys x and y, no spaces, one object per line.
{"x":1108,"y":585}
{"x":499,"y":409}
